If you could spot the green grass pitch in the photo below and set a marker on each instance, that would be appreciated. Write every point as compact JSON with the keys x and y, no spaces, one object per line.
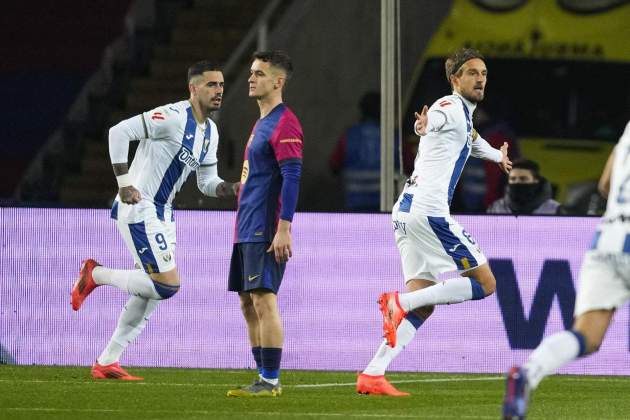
{"x":44,"y":392}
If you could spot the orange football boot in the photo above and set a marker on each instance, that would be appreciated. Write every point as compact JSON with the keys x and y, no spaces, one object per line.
{"x":377,"y":385}
{"x":393,"y":314}
{"x":113,"y":371}
{"x":84,"y":284}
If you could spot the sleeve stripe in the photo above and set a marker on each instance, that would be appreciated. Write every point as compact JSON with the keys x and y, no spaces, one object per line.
{"x":290,"y":160}
{"x":445,"y":119}
{"x":205,"y":165}
{"x":290,"y":141}
{"x":144,"y":124}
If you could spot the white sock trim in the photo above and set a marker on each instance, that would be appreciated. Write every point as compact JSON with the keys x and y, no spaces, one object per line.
{"x":554,"y":352}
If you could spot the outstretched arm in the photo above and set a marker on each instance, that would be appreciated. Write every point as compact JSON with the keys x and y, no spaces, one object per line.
{"x":426,"y":122}
{"x":482,"y":149}
{"x":506,"y":163}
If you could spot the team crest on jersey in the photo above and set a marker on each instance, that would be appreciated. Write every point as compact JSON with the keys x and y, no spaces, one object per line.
{"x":244,"y":172}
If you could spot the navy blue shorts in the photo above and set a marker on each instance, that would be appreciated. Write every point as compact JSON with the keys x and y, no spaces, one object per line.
{"x":252,"y":267}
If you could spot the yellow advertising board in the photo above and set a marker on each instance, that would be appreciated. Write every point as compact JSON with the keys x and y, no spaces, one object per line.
{"x":539,"y":29}
{"x":567,"y":31}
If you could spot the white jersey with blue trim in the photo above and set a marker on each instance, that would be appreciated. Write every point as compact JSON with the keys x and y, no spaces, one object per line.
{"x":173,"y":146}
{"x":441,"y":157}
{"x":613,"y":233}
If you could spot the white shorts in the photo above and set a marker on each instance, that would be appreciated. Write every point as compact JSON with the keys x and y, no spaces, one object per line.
{"x":604,"y":282}
{"x":151,"y":243}
{"x":430,"y":246}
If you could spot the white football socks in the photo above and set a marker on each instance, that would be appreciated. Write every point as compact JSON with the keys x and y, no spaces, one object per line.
{"x":134,"y":282}
{"x":554,"y":352}
{"x":455,"y":290}
{"x":385,"y":354}
{"x":131,"y":322}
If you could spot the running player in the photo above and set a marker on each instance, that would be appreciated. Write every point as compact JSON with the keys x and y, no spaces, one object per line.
{"x":175,"y":139}
{"x":267,"y":199}
{"x":431,"y":242}
{"x":604,"y":287}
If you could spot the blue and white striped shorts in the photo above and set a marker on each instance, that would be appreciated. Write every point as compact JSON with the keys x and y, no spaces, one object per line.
{"x":430,"y":246}
{"x":151,"y":243}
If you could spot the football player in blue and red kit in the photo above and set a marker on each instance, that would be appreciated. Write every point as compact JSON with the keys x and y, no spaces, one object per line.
{"x":267,"y":200}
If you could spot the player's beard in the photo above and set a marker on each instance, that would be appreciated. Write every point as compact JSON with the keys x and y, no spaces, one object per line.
{"x":474,"y":99}
{"x":211,"y":107}
{"x":474,"y":96}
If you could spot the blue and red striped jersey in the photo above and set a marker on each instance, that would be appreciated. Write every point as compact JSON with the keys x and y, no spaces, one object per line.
{"x":275,"y":140}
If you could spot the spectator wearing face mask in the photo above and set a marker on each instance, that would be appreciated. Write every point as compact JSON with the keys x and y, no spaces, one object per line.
{"x":527,"y":192}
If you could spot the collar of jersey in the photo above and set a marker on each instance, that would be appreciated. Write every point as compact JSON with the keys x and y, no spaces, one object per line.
{"x":470,"y":105}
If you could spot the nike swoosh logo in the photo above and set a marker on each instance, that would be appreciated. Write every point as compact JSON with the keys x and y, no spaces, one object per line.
{"x":141,"y":251}
{"x":252,"y":278}
{"x":454,"y":248}
{"x":189,"y":136}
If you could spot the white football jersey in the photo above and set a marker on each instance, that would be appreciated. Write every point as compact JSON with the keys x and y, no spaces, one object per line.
{"x":613,"y":233}
{"x":441,"y":157}
{"x":172,"y":146}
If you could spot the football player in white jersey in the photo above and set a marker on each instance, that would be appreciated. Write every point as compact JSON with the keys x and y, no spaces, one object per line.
{"x":431,"y":242}
{"x":604,"y":286}
{"x":175,"y":139}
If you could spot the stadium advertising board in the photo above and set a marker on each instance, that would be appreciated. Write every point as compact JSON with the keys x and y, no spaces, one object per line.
{"x":537,"y":29}
{"x":328,"y":299}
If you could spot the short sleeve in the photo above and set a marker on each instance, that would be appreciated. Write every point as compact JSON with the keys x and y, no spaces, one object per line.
{"x":160,"y":123}
{"x":443,"y":113}
{"x":288,"y":139}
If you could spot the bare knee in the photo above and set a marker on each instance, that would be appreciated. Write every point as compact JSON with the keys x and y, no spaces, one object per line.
{"x":592,"y":346}
{"x":484,"y":277}
{"x":489,"y":285}
{"x":588,"y":340}
{"x":166,"y":284}
{"x":170,"y":277}
{"x":264,"y":304}
{"x":417,"y":284}
{"x":261,"y":308}
{"x":247,"y":307}
{"x":590,"y":329}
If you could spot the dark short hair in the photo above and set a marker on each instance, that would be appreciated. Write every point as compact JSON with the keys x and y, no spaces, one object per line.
{"x":200,"y":67}
{"x":529,"y":165}
{"x":276,"y":58}
{"x":455,"y":61}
